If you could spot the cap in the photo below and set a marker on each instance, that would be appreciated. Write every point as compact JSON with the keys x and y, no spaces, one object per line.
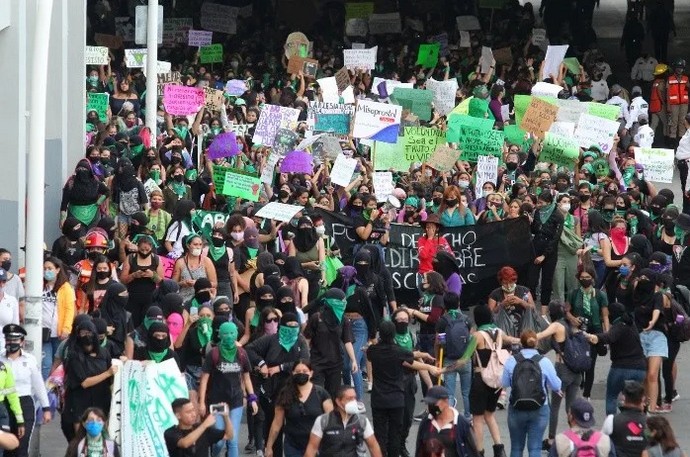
{"x":683,"y":222}
{"x":642,"y":118}
{"x":202,"y":283}
{"x":3,"y":274}
{"x":582,"y":413}
{"x":660,"y":69}
{"x":435,"y":394}
{"x":13,"y":331}
{"x":636,"y":90}
{"x":616,"y":89}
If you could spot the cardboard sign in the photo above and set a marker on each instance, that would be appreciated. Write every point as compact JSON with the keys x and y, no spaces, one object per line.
{"x":241,"y":184}
{"x":658,"y":163}
{"x":553,"y":59}
{"x":269,"y":170}
{"x":538,"y":117}
{"x":427,"y":56}
{"x":296,"y":44}
{"x":559,"y":150}
{"x":212,"y":53}
{"x":383,"y":184}
{"x":141,"y":14}
{"x":109,"y":41}
{"x":487,"y":171}
{"x":213,"y":99}
{"x":444,"y":94}
{"x":356,"y":27}
{"x":364,"y":59}
{"x":592,"y":130}
{"x":416,"y":145}
{"x":134,"y":58}
{"x":199,"y":38}
{"x":310,"y":68}
{"x":343,"y":168}
{"x":98,"y":102}
{"x":271,"y":119}
{"x":342,"y":79}
{"x":174,"y":78}
{"x":467,"y":23}
{"x":182,"y":100}
{"x":418,"y":101}
{"x":96,"y":55}
{"x":279,"y":211}
{"x":219,"y":18}
{"x":381,"y":24}
{"x":376,"y":121}
{"x":443,"y":158}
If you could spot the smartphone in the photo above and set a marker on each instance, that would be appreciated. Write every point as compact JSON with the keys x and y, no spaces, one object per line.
{"x":219,"y":408}
{"x":193,"y":311}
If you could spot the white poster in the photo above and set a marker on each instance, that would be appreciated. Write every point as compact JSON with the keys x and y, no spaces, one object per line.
{"x":134,"y":58}
{"x":467,"y":23}
{"x":539,"y":38}
{"x":162,"y":67}
{"x":364,"y":59}
{"x":505,"y":113}
{"x":279,"y":211}
{"x":219,"y":18}
{"x":553,"y":59}
{"x":198,"y":38}
{"x":543,"y":89}
{"x":356,"y":27}
{"x":486,"y":60}
{"x":141,"y":15}
{"x":487,"y":171}
{"x":464,"y":39}
{"x":359,"y":46}
{"x":329,"y":89}
{"x":592,"y":130}
{"x":658,"y":164}
{"x":570,"y":110}
{"x":377,"y":121}
{"x":343,"y":168}
{"x":269,"y":169}
{"x":383,"y":184}
{"x":444,"y":94}
{"x":566,"y":129}
{"x":96,"y":55}
{"x":381,"y":24}
{"x":391,"y":84}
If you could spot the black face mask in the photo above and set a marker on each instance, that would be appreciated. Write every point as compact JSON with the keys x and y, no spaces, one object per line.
{"x":437,"y":201}
{"x":11,"y":348}
{"x":176,"y":160}
{"x":120,"y":301}
{"x":6,"y":265}
{"x":102,"y":275}
{"x":283,"y":194}
{"x":584,"y":197}
{"x":218,"y":242}
{"x":656,"y":210}
{"x":157,"y":345}
{"x":144,"y":255}
{"x":225,"y":314}
{"x":669,"y":225}
{"x":85,"y":341}
{"x":178,"y":178}
{"x":434,"y":410}
{"x":644,"y":286}
{"x":83,"y":174}
{"x":93,"y":255}
{"x":512,"y":166}
{"x":586,"y":283}
{"x":451,"y":202}
{"x":73,"y":235}
{"x":362,"y":269}
{"x":301,"y":378}
{"x":203,"y":297}
{"x":401,"y":327}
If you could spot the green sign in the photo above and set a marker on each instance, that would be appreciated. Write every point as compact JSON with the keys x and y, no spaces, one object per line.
{"x":213,"y":53}
{"x":418,"y":101}
{"x":219,"y":178}
{"x":572,"y":64}
{"x":455,"y":121}
{"x":359,"y":10}
{"x":604,"y":111}
{"x":416,"y":146}
{"x":204,"y":221}
{"x":98,"y":102}
{"x":559,"y":150}
{"x":428,"y":55}
{"x":241,"y":184}
{"x":475,"y":137}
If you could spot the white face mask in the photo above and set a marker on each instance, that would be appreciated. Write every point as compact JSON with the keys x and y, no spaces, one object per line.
{"x":237,"y":236}
{"x":320,"y":230}
{"x":565,"y":207}
{"x":351,"y":407}
{"x":196,"y":252}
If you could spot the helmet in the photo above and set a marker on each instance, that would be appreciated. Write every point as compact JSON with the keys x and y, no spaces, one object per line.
{"x":679,"y":63}
{"x":95,"y":239}
{"x":660,"y":69}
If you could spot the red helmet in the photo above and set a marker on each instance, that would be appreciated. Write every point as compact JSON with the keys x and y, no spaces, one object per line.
{"x":95,"y":239}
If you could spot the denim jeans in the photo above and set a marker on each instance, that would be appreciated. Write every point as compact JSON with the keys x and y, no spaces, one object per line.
{"x":233,"y":444}
{"x":291,"y":451}
{"x":360,"y":334}
{"x":615,"y":382}
{"x":570,"y":385}
{"x":464,"y":373}
{"x":49,"y":350}
{"x":527,"y":427}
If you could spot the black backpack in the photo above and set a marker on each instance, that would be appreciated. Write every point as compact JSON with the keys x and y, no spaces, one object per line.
{"x":457,"y":336}
{"x":527,"y":392}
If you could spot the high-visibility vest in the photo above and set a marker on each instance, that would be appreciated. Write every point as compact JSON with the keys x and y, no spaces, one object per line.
{"x":655,"y":103}
{"x":677,"y":90}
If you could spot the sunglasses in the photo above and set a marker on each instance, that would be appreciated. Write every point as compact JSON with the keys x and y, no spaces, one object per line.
{"x":272,"y":319}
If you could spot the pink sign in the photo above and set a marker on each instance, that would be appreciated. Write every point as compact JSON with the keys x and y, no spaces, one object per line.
{"x":182,"y":100}
{"x":168,"y":266}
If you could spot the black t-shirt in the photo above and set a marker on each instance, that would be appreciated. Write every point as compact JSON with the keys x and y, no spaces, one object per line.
{"x":377,"y":231}
{"x":326,"y":337}
{"x":389,"y":384}
{"x":79,"y":367}
{"x":643,"y":313}
{"x":300,"y":417}
{"x":225,"y":383}
{"x":200,"y":449}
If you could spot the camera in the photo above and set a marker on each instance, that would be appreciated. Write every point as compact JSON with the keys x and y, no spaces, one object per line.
{"x":584,"y":323}
{"x":219,"y":408}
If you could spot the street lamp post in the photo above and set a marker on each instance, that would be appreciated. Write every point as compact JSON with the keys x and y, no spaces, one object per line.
{"x":151,"y":68}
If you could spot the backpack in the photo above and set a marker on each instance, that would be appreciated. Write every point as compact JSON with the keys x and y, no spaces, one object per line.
{"x":678,"y":331}
{"x":527,"y":392}
{"x":361,"y":426}
{"x":576,"y":351}
{"x":241,"y":356}
{"x":493,"y":371}
{"x":585,"y":445}
{"x":457,"y":336}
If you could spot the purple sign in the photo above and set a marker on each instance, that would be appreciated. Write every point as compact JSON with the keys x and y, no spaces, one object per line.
{"x":224,"y":145}
{"x":297,"y":162}
{"x":235,"y":87}
{"x":271,"y":119}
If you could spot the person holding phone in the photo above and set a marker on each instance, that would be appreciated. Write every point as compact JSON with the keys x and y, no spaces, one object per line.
{"x":190,"y":438}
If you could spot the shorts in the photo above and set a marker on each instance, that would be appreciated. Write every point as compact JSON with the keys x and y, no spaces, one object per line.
{"x":192,"y":374}
{"x":482,"y":397}
{"x":123,"y":219}
{"x":654,"y":344}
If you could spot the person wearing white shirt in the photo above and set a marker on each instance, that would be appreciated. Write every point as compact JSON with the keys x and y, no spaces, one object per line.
{"x":617,"y":100}
{"x":638,"y":106}
{"x":643,"y":69}
{"x":683,"y":154}
{"x":9,"y":306}
{"x":645,"y":134}
{"x":599,"y":90}
{"x":14,"y":285}
{"x":28,"y":383}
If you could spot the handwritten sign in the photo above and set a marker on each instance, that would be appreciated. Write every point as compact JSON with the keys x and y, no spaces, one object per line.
{"x":168,"y":266}
{"x":570,"y":110}
{"x":331,"y":117}
{"x":241,"y":184}
{"x":134,"y":58}
{"x":539,"y":38}
{"x":182,"y":100}
{"x":539,"y":117}
{"x":364,"y":59}
{"x":342,"y":171}
{"x":342,"y":79}
{"x":174,"y":78}
{"x":99,"y":103}
{"x":213,"y":99}
{"x":219,"y":18}
{"x":418,"y":101}
{"x":176,"y":30}
{"x":383,"y":184}
{"x":658,"y":163}
{"x":487,"y":171}
{"x":279,"y":211}
{"x":269,"y":170}
{"x":381,"y":24}
{"x":443,"y":158}
{"x":199,"y":38}
{"x":566,"y":129}
{"x":416,"y":145}
{"x":604,"y":111}
{"x":376,"y":121}
{"x":559,"y":150}
{"x":271,"y":119}
{"x":592,"y":130}
{"x":212,"y":53}
{"x":444,"y":94}
{"x":96,"y":55}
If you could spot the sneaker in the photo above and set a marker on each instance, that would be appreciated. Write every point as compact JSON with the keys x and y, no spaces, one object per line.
{"x":420,"y":417}
{"x":666,"y":407}
{"x":370,"y":386}
{"x":249,"y":448}
{"x":676,"y":396}
{"x":260,"y":453}
{"x":659,"y":410}
{"x":502,"y":400}
{"x":546,"y":445}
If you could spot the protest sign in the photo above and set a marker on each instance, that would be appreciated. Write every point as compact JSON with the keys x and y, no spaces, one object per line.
{"x":297,"y":162}
{"x":543,"y":89}
{"x":182,"y":100}
{"x":539,"y":38}
{"x":213,"y":99}
{"x":176,"y":30}
{"x":560,"y":150}
{"x":604,"y":111}
{"x":219,"y":178}
{"x":269,"y":169}
{"x":327,"y":147}
{"x":358,"y":46}
{"x":310,"y":67}
{"x":240,"y":129}
{"x":658,"y":164}
{"x":141,"y":14}
{"x":538,"y":117}
{"x":203,"y":221}
{"x":487,"y":171}
{"x":308,"y":142}
{"x":383,"y":184}
{"x":162,"y":67}
{"x":109,"y":41}
{"x":329,"y":89}
{"x":364,"y":59}
{"x":520,"y":104}
{"x":240,"y":184}
{"x":99,"y":103}
{"x":444,"y":94}
{"x":464,"y":39}
{"x":552,"y":61}
{"x":212,"y":53}
{"x":467,"y":23}
{"x":573,"y":65}
{"x":592,"y":130}
{"x":443,"y":158}
{"x":570,"y":110}
{"x":272,"y":118}
{"x":389,"y":86}
{"x":503,"y":56}
{"x":235,"y":87}
{"x":174,"y":78}
{"x":505,"y":113}
{"x":279,"y":211}
{"x":284,"y":141}
{"x":377,"y":121}
{"x":476,"y":137}
{"x":134,"y":58}
{"x":219,"y":18}
{"x":566,"y":129}
{"x":168,"y":266}
{"x":343,"y":168}
{"x":420,"y":142}
{"x":381,"y":24}
{"x":224,"y":145}
{"x":331,"y":117}
{"x":358,"y":10}
{"x":427,"y":56}
{"x":199,"y":38}
{"x":96,"y":55}
{"x":356,"y":27}
{"x":142,"y":394}
{"x":418,"y":101}
{"x":514,"y":135}
{"x":342,"y":79}
{"x":486,"y":60}
{"x":296,"y":44}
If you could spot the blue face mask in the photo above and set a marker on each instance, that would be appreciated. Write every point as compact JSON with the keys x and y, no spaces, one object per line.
{"x":624,"y":270}
{"x":93,"y":428}
{"x":49,"y":275}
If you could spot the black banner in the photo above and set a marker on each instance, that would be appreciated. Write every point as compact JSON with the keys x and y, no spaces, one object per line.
{"x":481,"y":250}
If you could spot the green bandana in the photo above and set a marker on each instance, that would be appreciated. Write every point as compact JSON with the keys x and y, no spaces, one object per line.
{"x":632,"y":222}
{"x":287,"y":336}
{"x":545,"y":212}
{"x":158,"y":356}
{"x":204,"y":330}
{"x":178,"y":188}
{"x":454,"y":313}
{"x":487,"y":327}
{"x":105,"y":341}
{"x":155,"y":175}
{"x":136,"y":151}
{"x":586,"y":301}
{"x":228,"y":338}
{"x":404,"y":340}
{"x":252,"y":252}
{"x":148,"y":321}
{"x":337,"y":306}
{"x":191,"y":175}
{"x":569,"y":221}
{"x":216,"y":252}
{"x":181,"y":131}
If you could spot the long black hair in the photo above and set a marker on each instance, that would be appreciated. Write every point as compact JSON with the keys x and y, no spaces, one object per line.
{"x":290,"y":393}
